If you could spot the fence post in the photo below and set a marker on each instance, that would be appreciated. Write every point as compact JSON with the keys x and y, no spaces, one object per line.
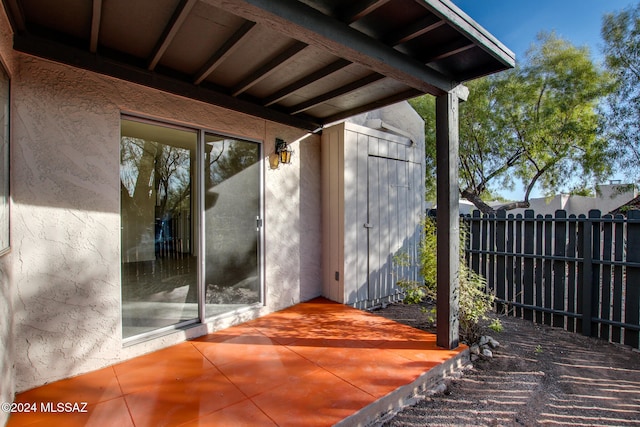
{"x":632,"y":282}
{"x":587,"y":274}
{"x":618,"y":277}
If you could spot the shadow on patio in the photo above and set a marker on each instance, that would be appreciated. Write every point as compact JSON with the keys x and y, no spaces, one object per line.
{"x":318,"y":363}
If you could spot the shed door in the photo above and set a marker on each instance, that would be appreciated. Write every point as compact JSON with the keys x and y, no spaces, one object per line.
{"x":388,"y":214}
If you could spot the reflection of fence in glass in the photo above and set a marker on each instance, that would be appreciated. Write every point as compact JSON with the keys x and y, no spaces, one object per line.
{"x":580,"y":273}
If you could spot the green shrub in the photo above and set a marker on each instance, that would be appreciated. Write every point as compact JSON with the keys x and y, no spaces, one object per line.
{"x":474,"y":302}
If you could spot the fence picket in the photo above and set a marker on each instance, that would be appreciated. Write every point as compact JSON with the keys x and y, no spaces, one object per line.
{"x":510,"y":264}
{"x":618,"y":274}
{"x":475,"y":241}
{"x":572,"y":274}
{"x":527,"y":275}
{"x":605,"y":298}
{"x":548,"y":238}
{"x":490,"y":261}
{"x":538,"y":285}
{"x":632,"y":282}
{"x":517,"y":297}
{"x":560,"y":268}
{"x":500,"y":258}
{"x":591,"y":274}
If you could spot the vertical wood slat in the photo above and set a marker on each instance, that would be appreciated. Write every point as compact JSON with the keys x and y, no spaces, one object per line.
{"x":527,"y":279}
{"x":392,"y":224}
{"x":605,"y":308}
{"x":560,"y":268}
{"x":490,"y":261}
{"x":632,"y":282}
{"x":475,"y":240}
{"x":362,"y":202}
{"x":548,"y":286}
{"x":500,"y":259}
{"x":374,"y":233}
{"x":538,"y":289}
{"x":618,"y":274}
{"x":584,"y":276}
{"x":385,"y":196}
{"x":572,"y":270}
{"x":591,"y":279}
{"x":510,"y":262}
{"x":518,"y":270}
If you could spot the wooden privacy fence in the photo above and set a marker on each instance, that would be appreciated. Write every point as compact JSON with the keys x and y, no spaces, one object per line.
{"x":579,"y":273}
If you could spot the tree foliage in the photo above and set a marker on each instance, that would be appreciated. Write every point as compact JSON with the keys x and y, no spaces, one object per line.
{"x":621,"y":36}
{"x":537,"y":124}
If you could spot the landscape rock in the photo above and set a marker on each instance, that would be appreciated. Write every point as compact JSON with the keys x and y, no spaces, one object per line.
{"x":487,"y":353}
{"x":474,"y":349}
{"x":484,"y":340}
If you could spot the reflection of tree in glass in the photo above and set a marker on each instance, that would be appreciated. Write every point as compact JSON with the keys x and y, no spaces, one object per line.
{"x":148,"y":168}
{"x":173,"y":178}
{"x":223,"y":162}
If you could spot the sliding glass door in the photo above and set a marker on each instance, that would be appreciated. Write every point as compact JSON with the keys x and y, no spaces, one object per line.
{"x":190,"y":212}
{"x":159,"y":260}
{"x":231,"y":219}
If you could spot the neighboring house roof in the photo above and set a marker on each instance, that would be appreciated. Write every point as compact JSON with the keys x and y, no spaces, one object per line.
{"x":305,"y":63}
{"x":633,"y":204}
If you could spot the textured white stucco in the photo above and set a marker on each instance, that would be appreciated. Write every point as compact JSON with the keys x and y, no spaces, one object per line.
{"x":66,"y":216}
{"x":7,"y":347}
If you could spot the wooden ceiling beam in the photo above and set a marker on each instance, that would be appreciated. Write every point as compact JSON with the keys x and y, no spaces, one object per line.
{"x":452,"y":52}
{"x":305,"y":81}
{"x":358,"y":10}
{"x":267,"y":69}
{"x":445,"y":51}
{"x":170,"y":31}
{"x":15,"y":15}
{"x":401,"y":96}
{"x":343,"y":90}
{"x":416,"y":29}
{"x":227,"y":48}
{"x":96,"y":18}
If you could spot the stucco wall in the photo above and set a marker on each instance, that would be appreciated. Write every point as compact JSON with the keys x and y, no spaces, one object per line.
{"x":66,"y":216}
{"x":7,"y":348}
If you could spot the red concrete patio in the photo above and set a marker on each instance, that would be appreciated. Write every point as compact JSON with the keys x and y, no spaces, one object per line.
{"x":315,"y":364}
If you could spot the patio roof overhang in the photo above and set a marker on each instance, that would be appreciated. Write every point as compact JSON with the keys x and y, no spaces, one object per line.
{"x":304,"y":63}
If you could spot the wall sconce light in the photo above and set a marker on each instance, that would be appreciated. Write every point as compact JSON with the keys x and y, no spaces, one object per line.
{"x":282,"y":155}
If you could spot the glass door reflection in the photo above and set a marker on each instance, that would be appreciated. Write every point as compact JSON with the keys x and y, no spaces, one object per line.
{"x":159,"y":260}
{"x":231,"y":219}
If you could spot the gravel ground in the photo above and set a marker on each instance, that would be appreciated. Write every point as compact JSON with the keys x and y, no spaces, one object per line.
{"x":538,"y":376}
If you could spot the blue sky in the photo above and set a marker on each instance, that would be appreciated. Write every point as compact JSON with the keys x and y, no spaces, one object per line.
{"x":517,"y":22}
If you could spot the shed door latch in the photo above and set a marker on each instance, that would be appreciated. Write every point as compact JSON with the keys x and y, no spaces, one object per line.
{"x":368,"y":225}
